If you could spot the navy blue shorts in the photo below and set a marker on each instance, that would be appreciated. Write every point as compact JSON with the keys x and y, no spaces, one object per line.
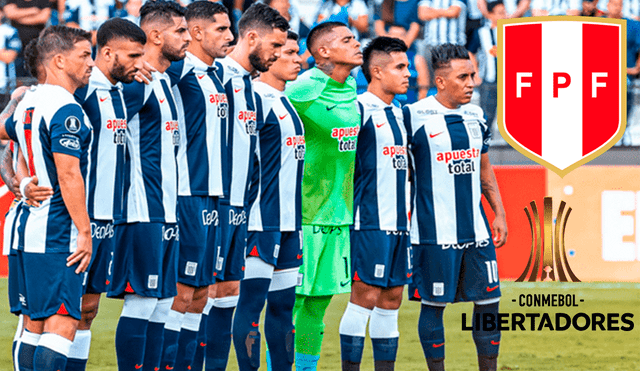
{"x":233,"y":243}
{"x":199,"y":224}
{"x":455,"y":273}
{"x":381,"y":258}
{"x":283,"y":250}
{"x":145,"y":260}
{"x":50,"y":287}
{"x":99,"y":273}
{"x":14,"y":284}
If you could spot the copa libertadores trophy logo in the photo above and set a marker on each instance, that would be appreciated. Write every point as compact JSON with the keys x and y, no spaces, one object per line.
{"x":548,"y":258}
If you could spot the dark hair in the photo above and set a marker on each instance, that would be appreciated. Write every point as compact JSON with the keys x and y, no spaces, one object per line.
{"x":32,"y":58}
{"x":261,"y":17}
{"x":442,"y":55}
{"x":493,"y":4}
{"x":119,"y":28}
{"x":160,"y":10}
{"x":59,"y":39}
{"x":377,"y":46}
{"x":204,"y":10}
{"x":318,"y":31}
{"x":387,"y":9}
{"x":292,"y":36}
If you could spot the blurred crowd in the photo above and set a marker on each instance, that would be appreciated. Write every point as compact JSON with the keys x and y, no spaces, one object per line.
{"x":422,"y":24}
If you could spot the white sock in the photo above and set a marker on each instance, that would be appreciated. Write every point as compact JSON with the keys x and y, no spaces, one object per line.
{"x":191,"y":321}
{"x":81,"y":344}
{"x":174,"y":321}
{"x":207,"y":307}
{"x":354,"y":320}
{"x":384,"y":323}
{"x":55,"y":342}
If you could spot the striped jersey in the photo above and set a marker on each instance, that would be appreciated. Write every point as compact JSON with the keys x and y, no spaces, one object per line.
{"x":89,"y":14}
{"x":202,"y":111}
{"x":556,"y":7}
{"x":486,"y":50}
{"x":446,"y":147}
{"x":381,"y":175}
{"x":104,"y":106}
{"x":276,"y":189}
{"x":9,"y":40}
{"x":50,"y":121}
{"x":241,"y":132}
{"x":445,"y":30}
{"x":153,"y":138}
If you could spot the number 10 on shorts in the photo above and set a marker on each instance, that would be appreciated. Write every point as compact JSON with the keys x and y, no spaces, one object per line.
{"x":492,"y":271}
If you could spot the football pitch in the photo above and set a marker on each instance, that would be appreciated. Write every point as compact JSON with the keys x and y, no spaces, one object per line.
{"x":543,"y":350}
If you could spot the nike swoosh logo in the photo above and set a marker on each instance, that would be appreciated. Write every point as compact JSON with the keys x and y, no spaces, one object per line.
{"x":237,"y":90}
{"x":409,"y":275}
{"x":435,"y":135}
{"x":493,"y":342}
{"x":200,"y":76}
{"x":437,"y":345}
{"x":332,"y":107}
{"x":381,"y":125}
{"x":299,"y":256}
{"x":489,"y":289}
{"x":203,"y":344}
{"x":255,"y":324}
{"x":103,"y":99}
{"x":162,"y":100}
{"x":169,"y":368}
{"x":343,"y":284}
{"x":282,"y":117}
{"x":138,"y":367}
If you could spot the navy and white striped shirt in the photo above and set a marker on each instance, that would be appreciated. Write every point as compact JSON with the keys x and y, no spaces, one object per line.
{"x":241,"y":132}
{"x":50,"y":121}
{"x":202,"y":112}
{"x":276,"y":189}
{"x":381,"y":176}
{"x":446,"y":147}
{"x":104,"y":105}
{"x":445,"y":30}
{"x":9,"y":40}
{"x":153,"y":138}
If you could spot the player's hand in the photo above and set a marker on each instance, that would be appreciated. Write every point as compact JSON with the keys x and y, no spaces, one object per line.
{"x":36,"y":194}
{"x":82,"y":256}
{"x":144,"y":74}
{"x":19,"y":93}
{"x":499,"y":231}
{"x":15,"y":188}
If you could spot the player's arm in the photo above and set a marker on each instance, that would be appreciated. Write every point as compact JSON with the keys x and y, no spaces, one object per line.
{"x":73,"y":194}
{"x":523,"y":6}
{"x":16,"y":97}
{"x":492,"y":194}
{"x":33,"y":193}
{"x":427,"y":13}
{"x":412,"y":34}
{"x":7,"y":173}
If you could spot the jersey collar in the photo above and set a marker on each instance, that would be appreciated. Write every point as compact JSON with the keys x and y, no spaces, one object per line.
{"x":198,"y":64}
{"x":100,"y":81}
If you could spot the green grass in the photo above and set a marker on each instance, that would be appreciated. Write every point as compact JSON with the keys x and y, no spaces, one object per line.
{"x":569,"y":350}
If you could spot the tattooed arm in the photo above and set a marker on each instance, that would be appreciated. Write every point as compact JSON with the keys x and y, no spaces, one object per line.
{"x":16,"y":97}
{"x":492,"y":194}
{"x":6,"y":172}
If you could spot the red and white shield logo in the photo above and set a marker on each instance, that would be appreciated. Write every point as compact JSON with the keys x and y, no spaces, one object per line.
{"x":562,"y":88}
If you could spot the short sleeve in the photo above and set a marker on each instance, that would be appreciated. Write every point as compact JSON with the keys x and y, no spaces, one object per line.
{"x":68,"y":130}
{"x":13,"y":42}
{"x":486,"y":138}
{"x":133,"y":95}
{"x":10,"y":128}
{"x":175,"y":72}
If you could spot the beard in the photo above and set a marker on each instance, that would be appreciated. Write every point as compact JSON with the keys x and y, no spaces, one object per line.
{"x":171,"y":54}
{"x":256,"y":62}
{"x":119,"y":73}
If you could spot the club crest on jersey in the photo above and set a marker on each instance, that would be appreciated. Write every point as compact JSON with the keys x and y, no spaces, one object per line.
{"x":459,"y":162}
{"x":347,"y":138}
{"x":172,"y":126}
{"x":119,"y":127}
{"x":221,"y":101}
{"x":561,"y":88}
{"x":72,"y":124}
{"x":298,"y":144}
{"x":474,"y":130}
{"x":249,"y":119}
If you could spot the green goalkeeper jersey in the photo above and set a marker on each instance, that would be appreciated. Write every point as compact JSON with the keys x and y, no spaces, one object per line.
{"x":331,"y":123}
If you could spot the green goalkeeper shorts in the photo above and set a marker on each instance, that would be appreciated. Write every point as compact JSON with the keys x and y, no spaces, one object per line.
{"x":326,"y":261}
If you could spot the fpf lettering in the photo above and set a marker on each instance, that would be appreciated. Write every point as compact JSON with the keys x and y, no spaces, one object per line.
{"x":561,"y":80}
